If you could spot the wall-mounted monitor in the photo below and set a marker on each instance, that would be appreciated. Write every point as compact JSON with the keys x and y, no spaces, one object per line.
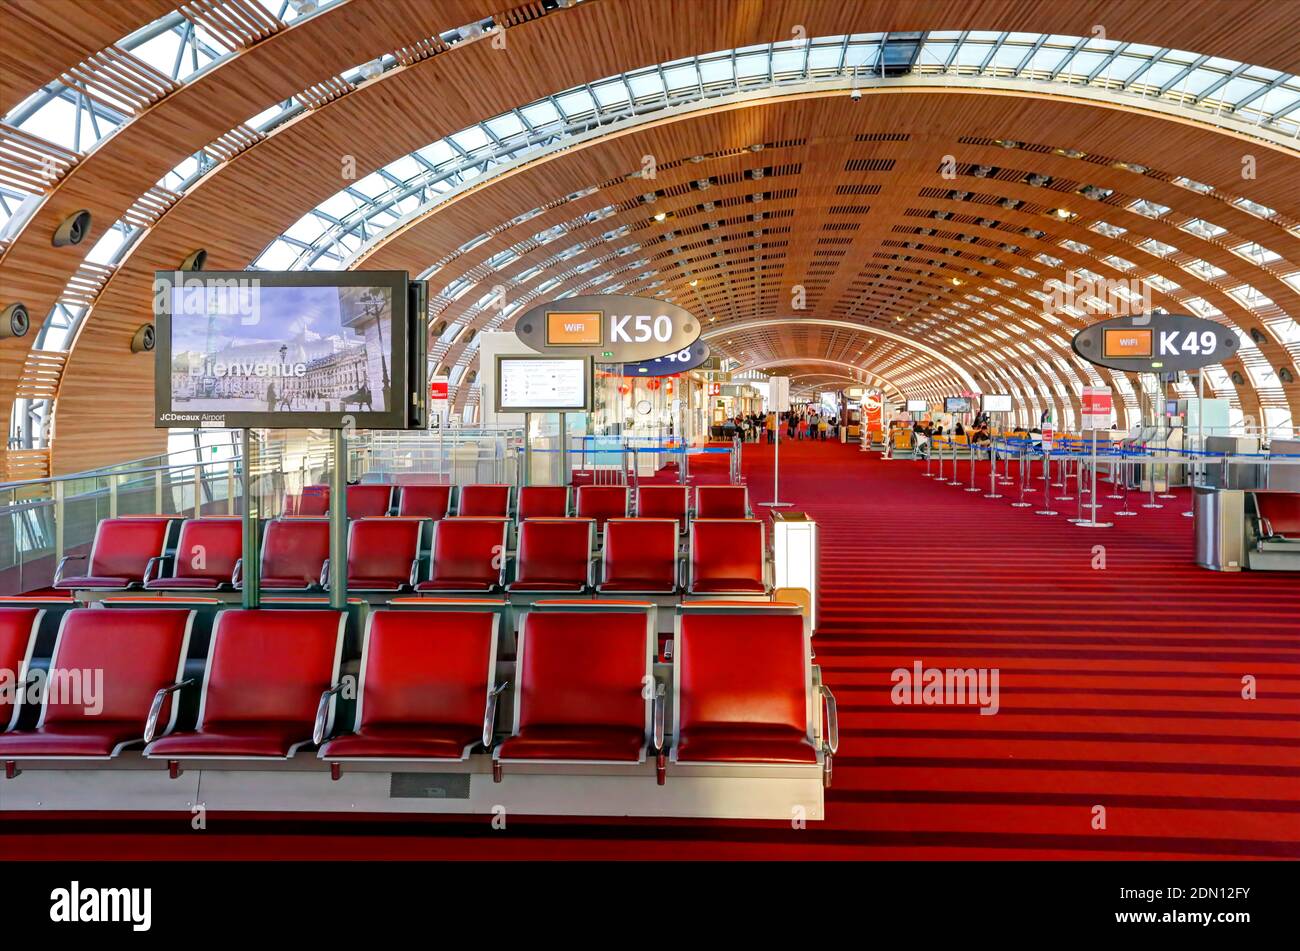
{"x":995,"y":403}
{"x":543,"y":384}
{"x":956,"y":404}
{"x":289,"y":350}
{"x":917,"y":406}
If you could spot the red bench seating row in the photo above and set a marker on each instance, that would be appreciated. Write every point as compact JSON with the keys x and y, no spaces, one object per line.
{"x":427,"y":689}
{"x":467,"y":555}
{"x":599,"y":502}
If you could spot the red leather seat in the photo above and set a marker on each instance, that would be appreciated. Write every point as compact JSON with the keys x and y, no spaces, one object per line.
{"x":492,"y":501}
{"x":267,"y":670}
{"x":426,"y":690}
{"x":543,"y":501}
{"x":722,"y":501}
{"x":664,"y":501}
{"x":581,"y":689}
{"x":640,"y":556}
{"x":1279,"y":514}
{"x":602,"y":502}
{"x":425,"y":501}
{"x":119,"y":555}
{"x":294,"y":551}
{"x":312,"y":502}
{"x":743,"y":690}
{"x":383,"y":553}
{"x":727,"y":557}
{"x":469,"y":554}
{"x":206,"y":555}
{"x":369,"y":500}
{"x":18,"y":628}
{"x":139,"y":651}
{"x":554,"y":555}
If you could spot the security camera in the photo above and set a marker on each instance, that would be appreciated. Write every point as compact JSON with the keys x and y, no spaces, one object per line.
{"x":72,"y":230}
{"x":855,"y":94}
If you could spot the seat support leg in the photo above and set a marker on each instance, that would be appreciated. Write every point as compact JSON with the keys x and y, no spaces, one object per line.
{"x":336,"y":770}
{"x":174,"y":769}
{"x":661,"y":768}
{"x":496,"y":771}
{"x":11,"y":769}
{"x":826,"y":772}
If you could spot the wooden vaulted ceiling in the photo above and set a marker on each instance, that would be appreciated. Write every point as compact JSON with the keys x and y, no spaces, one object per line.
{"x":829,"y":163}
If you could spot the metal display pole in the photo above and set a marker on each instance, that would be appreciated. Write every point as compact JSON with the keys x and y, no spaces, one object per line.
{"x":776,"y":502}
{"x":565,"y":475}
{"x":339,"y":523}
{"x":526,"y":477}
{"x":250,"y":556}
{"x":1091,"y":520}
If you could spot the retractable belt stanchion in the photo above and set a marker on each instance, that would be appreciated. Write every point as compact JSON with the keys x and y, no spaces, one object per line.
{"x":929,"y":455}
{"x":1126,"y":477}
{"x":956,"y":476}
{"x":970,"y":447}
{"x":1024,"y":479}
{"x":993,"y":493}
{"x":1151,"y":483}
{"x":1047,"y":484}
{"x":1063,"y":468}
{"x":936,"y":445}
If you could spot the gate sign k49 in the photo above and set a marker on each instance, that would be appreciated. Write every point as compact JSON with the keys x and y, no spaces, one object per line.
{"x":1156,"y":343}
{"x":612,"y":328}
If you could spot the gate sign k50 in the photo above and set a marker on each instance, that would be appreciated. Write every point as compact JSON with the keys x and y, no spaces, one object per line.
{"x":612,"y":328}
{"x":1156,"y":343}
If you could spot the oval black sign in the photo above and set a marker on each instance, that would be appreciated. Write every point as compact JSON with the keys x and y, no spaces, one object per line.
{"x":612,"y":328}
{"x":1156,"y":343}
{"x":670,"y":363}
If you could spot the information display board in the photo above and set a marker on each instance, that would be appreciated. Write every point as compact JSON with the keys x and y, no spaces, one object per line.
{"x":289,"y":350}
{"x":1156,"y":343}
{"x":678,"y":361}
{"x":917,"y":406}
{"x":542,"y":384}
{"x":995,"y":403}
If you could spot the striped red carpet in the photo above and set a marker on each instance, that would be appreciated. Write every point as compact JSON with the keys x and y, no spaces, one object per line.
{"x":1120,"y":672}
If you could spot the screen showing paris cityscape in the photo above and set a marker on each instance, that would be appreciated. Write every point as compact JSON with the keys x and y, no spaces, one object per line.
{"x":242,"y":347}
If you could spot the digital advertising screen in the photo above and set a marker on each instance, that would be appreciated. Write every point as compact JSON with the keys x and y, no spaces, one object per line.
{"x":543,"y":384}
{"x":282,"y":350}
{"x":956,"y":404}
{"x":995,"y":403}
{"x":917,"y":406}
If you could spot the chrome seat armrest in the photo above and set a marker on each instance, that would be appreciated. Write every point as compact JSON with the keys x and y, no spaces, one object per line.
{"x":153,"y":563}
{"x":490,"y":714}
{"x":155,"y":709}
{"x":325,"y":573}
{"x":237,"y":573}
{"x":659,"y":709}
{"x":58,"y":571}
{"x":323,"y":712}
{"x":831,"y":741}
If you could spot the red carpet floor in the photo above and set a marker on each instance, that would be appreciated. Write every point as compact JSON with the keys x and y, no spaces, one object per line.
{"x":1120,"y":688}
